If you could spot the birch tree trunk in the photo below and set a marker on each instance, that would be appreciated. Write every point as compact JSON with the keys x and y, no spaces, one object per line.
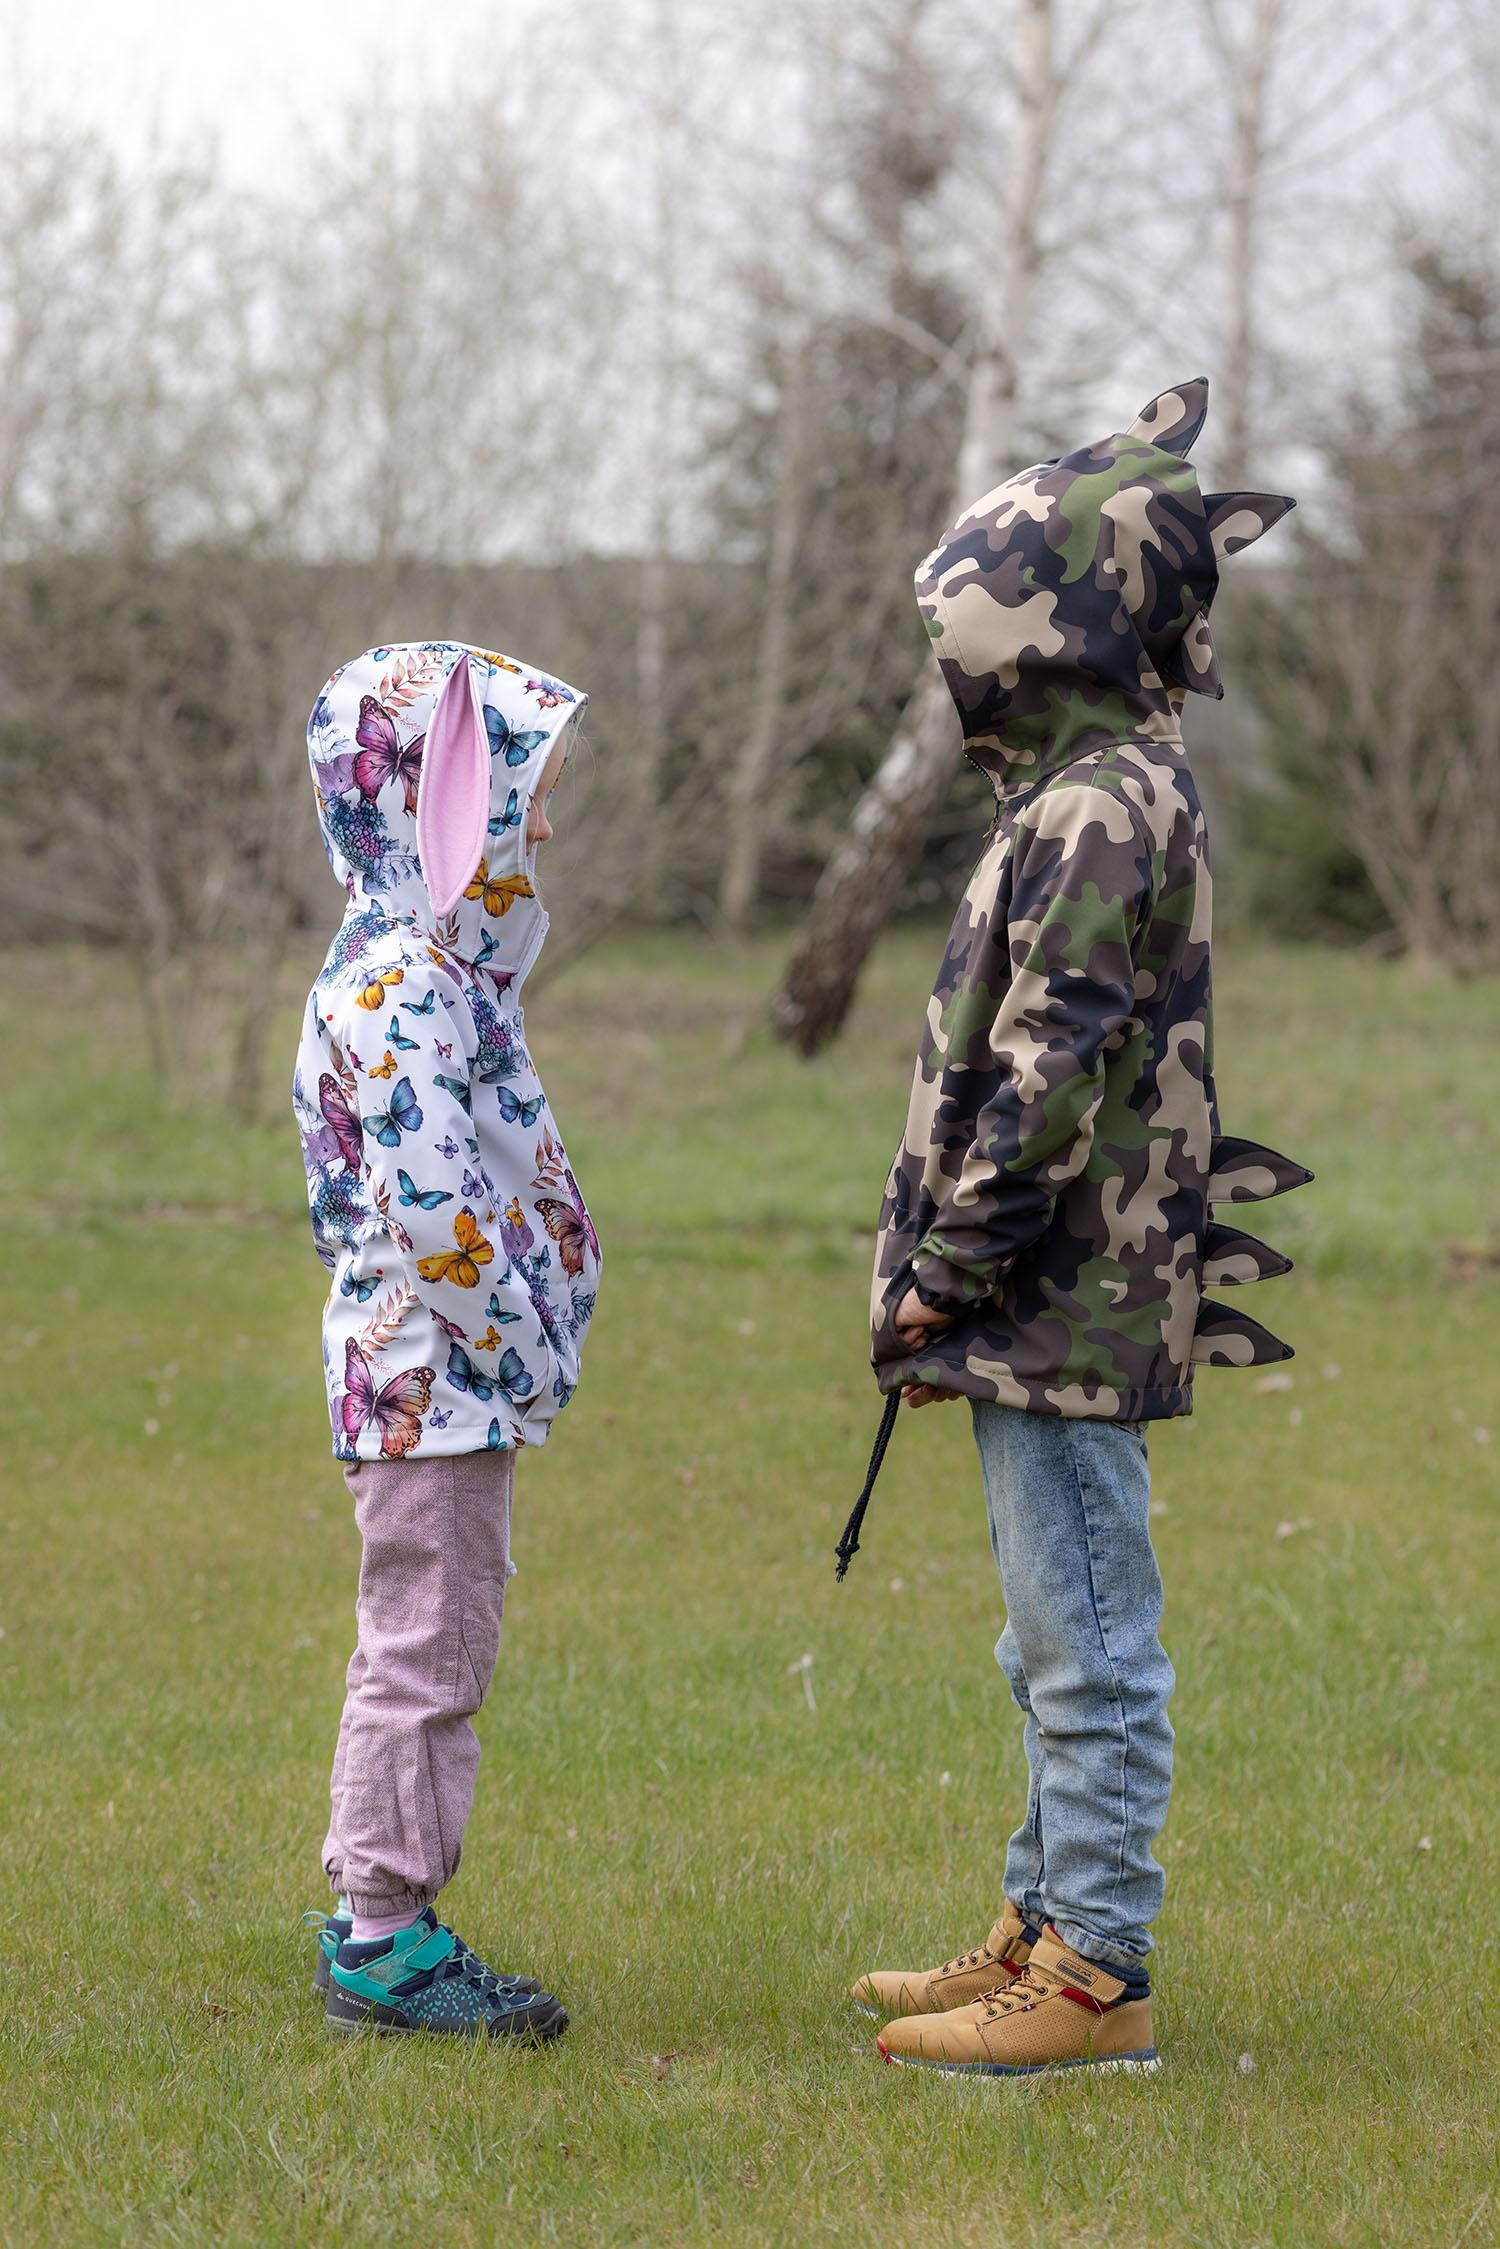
{"x":1248,"y":69}
{"x":861,"y":881}
{"x":656,"y":564}
{"x":753,"y":773}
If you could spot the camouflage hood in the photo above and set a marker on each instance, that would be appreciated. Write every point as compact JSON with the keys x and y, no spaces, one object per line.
{"x":1070,"y":605}
{"x":1058,"y":1181}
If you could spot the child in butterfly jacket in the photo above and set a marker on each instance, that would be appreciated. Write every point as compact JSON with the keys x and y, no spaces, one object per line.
{"x":463,"y":1268}
{"x":1046,"y":1237}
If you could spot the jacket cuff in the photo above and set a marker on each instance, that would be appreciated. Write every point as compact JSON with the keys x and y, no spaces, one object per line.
{"x":948,"y":1287}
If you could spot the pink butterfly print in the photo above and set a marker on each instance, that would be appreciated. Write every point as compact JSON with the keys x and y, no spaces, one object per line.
{"x":395,"y":1409}
{"x":459,"y":1335}
{"x":382,"y":757}
{"x":582,"y":1209}
{"x":341,"y":1120}
{"x":547,"y":693}
{"x":445,"y":1051}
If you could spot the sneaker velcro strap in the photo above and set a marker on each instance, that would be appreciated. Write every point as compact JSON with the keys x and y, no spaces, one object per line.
{"x":430,"y":1953}
{"x":405,"y":1964}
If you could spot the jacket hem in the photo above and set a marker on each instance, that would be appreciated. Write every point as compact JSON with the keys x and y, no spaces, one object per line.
{"x":1163,"y":1402}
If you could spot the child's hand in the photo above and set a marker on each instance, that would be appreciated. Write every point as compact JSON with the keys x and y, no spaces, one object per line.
{"x":924,"y":1394}
{"x":916,"y":1323}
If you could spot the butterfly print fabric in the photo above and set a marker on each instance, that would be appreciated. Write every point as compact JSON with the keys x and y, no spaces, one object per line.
{"x":463,"y":1262}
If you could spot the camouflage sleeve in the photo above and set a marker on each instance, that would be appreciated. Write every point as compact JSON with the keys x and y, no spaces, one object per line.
{"x":1081,"y":889}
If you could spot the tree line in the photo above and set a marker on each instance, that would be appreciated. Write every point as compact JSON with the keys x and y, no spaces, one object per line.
{"x":660,"y":345}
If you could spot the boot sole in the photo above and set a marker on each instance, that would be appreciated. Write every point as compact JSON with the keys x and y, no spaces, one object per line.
{"x":1147,"y":2061}
{"x":352,"y":2015}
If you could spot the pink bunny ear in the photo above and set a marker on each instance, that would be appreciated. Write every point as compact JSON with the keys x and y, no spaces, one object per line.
{"x":453,"y":795}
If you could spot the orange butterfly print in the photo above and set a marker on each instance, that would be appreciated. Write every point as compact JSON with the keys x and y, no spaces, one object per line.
{"x":491,"y":1339}
{"x":500,"y":892}
{"x":461,"y":1264}
{"x":373,"y":995}
{"x":385,"y":1069}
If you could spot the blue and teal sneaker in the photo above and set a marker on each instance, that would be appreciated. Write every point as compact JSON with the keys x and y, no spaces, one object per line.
{"x":331,"y":1930}
{"x":426,"y":1978}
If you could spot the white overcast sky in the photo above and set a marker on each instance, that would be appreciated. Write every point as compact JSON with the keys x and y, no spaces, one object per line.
{"x":241,"y":76}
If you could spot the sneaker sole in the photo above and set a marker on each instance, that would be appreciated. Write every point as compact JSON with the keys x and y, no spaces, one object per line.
{"x":1145,"y":2063}
{"x":354,"y":2016}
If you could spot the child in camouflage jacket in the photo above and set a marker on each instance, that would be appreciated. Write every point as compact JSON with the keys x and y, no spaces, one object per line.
{"x":1046,"y":1237}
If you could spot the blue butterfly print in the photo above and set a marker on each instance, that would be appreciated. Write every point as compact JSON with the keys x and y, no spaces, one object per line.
{"x":447,"y":1146}
{"x":396,"y":1037}
{"x":439,"y":1418}
{"x":509,"y":818}
{"x":487,"y":945}
{"x":509,"y":1378}
{"x":403,"y":1115}
{"x":493,"y":1311}
{"x":456,"y":1087}
{"x":497,"y":1441}
{"x":516,"y":1111}
{"x":474,"y":1185}
{"x":516,"y":748}
{"x":562,"y":1391}
{"x":423,"y":1006}
{"x":425,"y":1198}
{"x":357,"y":1285}
{"x":471,"y":1145}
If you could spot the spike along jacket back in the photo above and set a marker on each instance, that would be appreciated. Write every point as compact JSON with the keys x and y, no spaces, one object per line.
{"x":1062,"y":1172}
{"x":463,"y":1261}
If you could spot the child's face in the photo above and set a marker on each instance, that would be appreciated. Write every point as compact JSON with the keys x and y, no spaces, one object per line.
{"x":538,"y":826}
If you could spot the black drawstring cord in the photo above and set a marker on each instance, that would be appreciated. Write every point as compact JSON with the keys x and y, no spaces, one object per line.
{"x":848,"y":1545}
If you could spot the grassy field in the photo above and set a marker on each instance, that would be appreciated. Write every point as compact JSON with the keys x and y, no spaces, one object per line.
{"x":716,"y":1785}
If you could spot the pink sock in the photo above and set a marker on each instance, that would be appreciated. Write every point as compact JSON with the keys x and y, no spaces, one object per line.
{"x":369,"y":1926}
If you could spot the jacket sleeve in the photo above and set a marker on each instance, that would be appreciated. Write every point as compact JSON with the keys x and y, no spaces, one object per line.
{"x":1081,"y":889}
{"x":422,"y":1175}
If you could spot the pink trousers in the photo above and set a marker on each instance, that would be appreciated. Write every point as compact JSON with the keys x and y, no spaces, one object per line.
{"x":432,"y":1578}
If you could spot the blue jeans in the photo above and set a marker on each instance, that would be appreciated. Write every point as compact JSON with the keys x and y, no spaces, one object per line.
{"x":1068,"y":1504}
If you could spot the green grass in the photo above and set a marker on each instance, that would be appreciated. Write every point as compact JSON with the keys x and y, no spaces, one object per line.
{"x":699,"y":1853}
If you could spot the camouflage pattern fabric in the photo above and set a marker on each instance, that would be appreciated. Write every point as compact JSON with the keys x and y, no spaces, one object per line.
{"x":1062,"y":1154}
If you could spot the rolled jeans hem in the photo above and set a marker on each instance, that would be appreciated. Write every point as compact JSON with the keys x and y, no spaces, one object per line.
{"x":1100,"y":1949}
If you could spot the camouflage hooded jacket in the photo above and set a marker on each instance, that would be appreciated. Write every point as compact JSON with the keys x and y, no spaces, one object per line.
{"x":1061,"y":1178}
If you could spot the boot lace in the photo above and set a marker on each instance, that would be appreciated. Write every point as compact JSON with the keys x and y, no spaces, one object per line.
{"x":979,"y":1958}
{"x":1027,"y":1990}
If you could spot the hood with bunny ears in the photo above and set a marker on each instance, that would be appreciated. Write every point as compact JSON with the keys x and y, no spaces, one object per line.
{"x":1070,"y":605}
{"x":463,"y":1261}
{"x":425,"y":758}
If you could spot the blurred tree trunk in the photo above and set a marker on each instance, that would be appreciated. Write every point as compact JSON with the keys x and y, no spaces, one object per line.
{"x":1247,"y":67}
{"x":752,"y":774}
{"x":862,"y":880}
{"x":661,"y":446}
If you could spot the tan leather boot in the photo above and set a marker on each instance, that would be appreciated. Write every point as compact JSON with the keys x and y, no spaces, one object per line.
{"x":1060,"y":2012}
{"x":931,"y":1991}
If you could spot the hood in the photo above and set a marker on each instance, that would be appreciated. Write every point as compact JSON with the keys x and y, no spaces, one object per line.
{"x":1071,"y":604}
{"x":425,"y":757}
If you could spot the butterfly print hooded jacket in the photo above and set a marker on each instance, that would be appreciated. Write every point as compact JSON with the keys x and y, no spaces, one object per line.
{"x":463,"y":1261}
{"x":1062,"y":1178}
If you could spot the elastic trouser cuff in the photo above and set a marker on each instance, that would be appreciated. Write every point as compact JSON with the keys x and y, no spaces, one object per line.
{"x":372,"y":1905}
